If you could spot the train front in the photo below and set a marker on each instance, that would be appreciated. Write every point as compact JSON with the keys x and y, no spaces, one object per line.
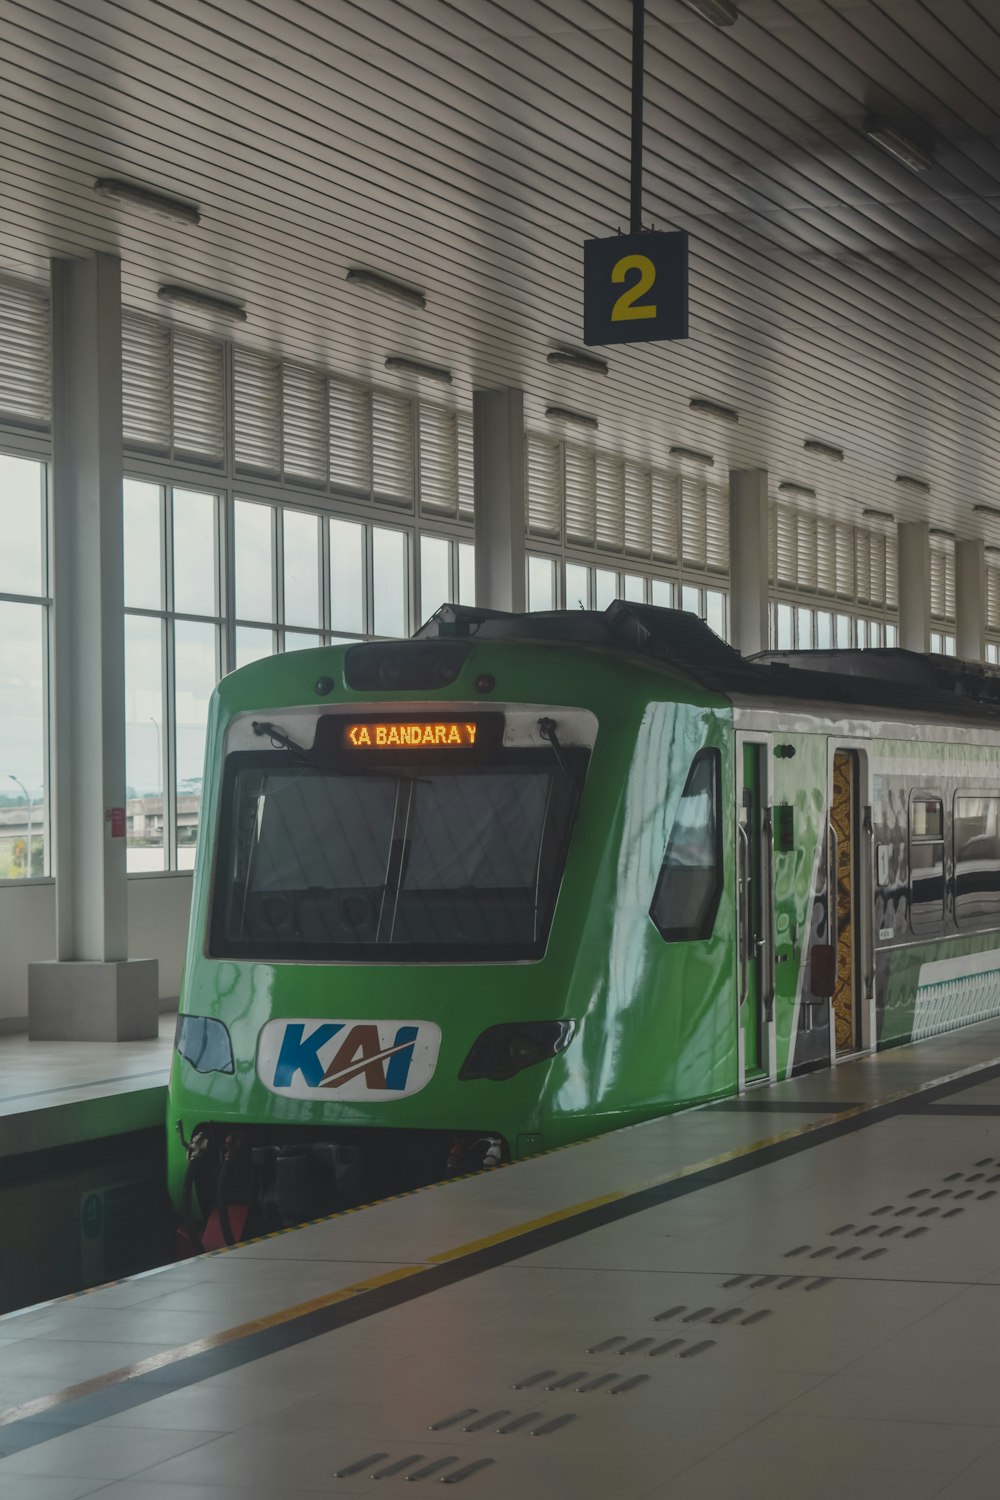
{"x":373,"y":985}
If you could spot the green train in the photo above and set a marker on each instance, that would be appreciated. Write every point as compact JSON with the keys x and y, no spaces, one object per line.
{"x":527,"y":878}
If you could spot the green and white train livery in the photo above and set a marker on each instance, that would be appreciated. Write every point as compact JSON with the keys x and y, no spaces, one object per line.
{"x":526,"y":878}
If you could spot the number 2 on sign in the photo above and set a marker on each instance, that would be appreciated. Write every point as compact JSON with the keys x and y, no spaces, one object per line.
{"x":625,"y":306}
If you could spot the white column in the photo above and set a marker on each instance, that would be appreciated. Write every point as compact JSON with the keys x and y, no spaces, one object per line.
{"x":970,"y":600}
{"x":914,"y":586}
{"x":91,"y":992}
{"x":748,"y":562}
{"x":498,"y":439}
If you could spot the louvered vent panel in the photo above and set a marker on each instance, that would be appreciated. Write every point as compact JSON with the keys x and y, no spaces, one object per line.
{"x":438,"y":460}
{"x":256,"y":412}
{"x":992,"y":599}
{"x":581,"y":495}
{"x":717,"y":529}
{"x":542,"y":482}
{"x":785,"y":547}
{"x":350,"y":435}
{"x":694,"y":522}
{"x":392,"y":448}
{"x":638,"y":511}
{"x":863,"y":565}
{"x":937,"y":584}
{"x":466,"y":468}
{"x":942,"y":582}
{"x":891,"y":573}
{"x":199,"y":423}
{"x":305,"y":424}
{"x":876,"y":590}
{"x":826,"y":557}
{"x":807,"y":561}
{"x":145,"y":384}
{"x":845,"y":561}
{"x":25,"y":356}
{"x":610,"y":509}
{"x":665,"y":510}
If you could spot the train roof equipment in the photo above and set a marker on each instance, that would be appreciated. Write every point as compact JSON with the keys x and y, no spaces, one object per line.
{"x":889,"y":678}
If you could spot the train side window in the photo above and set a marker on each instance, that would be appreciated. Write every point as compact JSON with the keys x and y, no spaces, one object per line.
{"x":977,"y":857}
{"x":926,"y":862}
{"x":689,"y":886}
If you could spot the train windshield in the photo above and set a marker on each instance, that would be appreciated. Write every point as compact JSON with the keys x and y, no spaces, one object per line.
{"x":384,"y":864}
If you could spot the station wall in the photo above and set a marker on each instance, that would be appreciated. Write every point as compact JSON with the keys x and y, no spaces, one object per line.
{"x":158,"y":912}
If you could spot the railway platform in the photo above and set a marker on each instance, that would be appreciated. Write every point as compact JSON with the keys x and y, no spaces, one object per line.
{"x":793,"y":1293}
{"x":56,"y":1094}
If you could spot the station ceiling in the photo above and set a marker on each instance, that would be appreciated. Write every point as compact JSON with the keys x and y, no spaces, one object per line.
{"x":470,"y":148}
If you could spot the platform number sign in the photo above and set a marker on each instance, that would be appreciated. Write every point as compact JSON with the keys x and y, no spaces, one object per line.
{"x":635,"y":288}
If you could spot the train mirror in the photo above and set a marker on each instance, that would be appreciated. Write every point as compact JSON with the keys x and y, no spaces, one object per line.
{"x":823,"y":970}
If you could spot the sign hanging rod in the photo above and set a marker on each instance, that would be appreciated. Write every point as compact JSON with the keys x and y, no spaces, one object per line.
{"x":638,"y":71}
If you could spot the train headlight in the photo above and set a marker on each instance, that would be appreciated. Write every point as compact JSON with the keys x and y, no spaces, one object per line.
{"x":205,"y":1044}
{"x":502,"y":1051}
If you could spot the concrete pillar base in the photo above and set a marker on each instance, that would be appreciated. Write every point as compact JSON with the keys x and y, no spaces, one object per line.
{"x":93,"y":1002}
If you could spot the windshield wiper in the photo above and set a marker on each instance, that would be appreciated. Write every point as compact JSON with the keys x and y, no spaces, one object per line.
{"x":547,"y":730}
{"x":281,"y":741}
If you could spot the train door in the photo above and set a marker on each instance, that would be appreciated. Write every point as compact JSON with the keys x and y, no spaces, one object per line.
{"x":845,"y":886}
{"x":755,"y":907}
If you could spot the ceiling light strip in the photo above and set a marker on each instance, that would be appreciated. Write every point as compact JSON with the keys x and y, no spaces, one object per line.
{"x":189,"y":296}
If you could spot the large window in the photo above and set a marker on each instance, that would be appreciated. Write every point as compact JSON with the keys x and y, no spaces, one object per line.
{"x":330,"y":861}
{"x":926,"y":862}
{"x":803,"y":627}
{"x":977,"y":857}
{"x":173,"y":657}
{"x":24,"y":630}
{"x":687,"y":892}
{"x":555,"y":584}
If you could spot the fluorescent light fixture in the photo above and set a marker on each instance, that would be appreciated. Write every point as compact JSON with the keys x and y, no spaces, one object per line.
{"x":813,"y":445}
{"x":877,"y":515}
{"x":160,"y":204}
{"x":374,"y":281}
{"x":789,"y":487}
{"x":189,"y":296}
{"x":986,"y":510}
{"x":692,"y":455}
{"x":910,"y":483}
{"x":898,"y":145}
{"x":418,"y":367}
{"x":719,"y":12}
{"x":578,"y":360}
{"x":714,"y":409}
{"x":563,"y":414}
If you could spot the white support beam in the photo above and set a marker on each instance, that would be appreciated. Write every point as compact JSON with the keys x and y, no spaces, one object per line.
{"x":914,"y":586}
{"x":498,"y":441}
{"x":91,"y":991}
{"x":748,"y":565}
{"x":970,"y":600}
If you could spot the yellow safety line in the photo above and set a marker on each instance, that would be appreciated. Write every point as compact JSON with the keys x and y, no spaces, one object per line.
{"x":199,"y":1346}
{"x":356,"y":1289}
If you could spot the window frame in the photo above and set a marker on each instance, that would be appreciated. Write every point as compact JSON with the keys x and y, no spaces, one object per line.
{"x":937,"y":923}
{"x":983,"y":921}
{"x":34,"y":447}
{"x":709,"y":915}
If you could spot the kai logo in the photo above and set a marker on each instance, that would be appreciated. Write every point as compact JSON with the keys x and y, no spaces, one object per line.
{"x":367,"y":1060}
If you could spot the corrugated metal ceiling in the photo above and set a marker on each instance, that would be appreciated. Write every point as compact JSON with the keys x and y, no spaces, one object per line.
{"x":471,"y":147}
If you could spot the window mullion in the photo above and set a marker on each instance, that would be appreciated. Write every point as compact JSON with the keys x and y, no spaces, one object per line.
{"x":227,"y":578}
{"x":278,"y":581}
{"x":325,"y":605}
{"x":169,"y":770}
